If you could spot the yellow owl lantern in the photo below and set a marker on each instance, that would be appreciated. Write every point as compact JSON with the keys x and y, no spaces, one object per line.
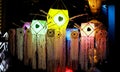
{"x":94,"y":5}
{"x":38,"y":27}
{"x":57,"y":18}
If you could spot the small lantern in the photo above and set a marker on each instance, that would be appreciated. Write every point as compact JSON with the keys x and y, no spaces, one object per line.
{"x":94,"y":5}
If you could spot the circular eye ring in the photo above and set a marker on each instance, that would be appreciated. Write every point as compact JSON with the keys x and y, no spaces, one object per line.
{"x":74,"y":34}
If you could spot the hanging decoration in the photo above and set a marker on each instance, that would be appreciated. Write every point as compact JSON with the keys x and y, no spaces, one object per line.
{"x":87,"y":31}
{"x":19,"y":41}
{"x":57,"y":19}
{"x":101,"y":39}
{"x":39,"y":29}
{"x":94,"y":5}
{"x":26,"y":26}
{"x":27,"y":47}
{"x":50,"y":49}
{"x":12,"y":33}
{"x":72,"y":48}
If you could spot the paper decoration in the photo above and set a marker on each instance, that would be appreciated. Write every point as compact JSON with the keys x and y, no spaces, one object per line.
{"x":58,"y":19}
{"x":19,"y":41}
{"x":39,"y":29}
{"x":26,"y":26}
{"x":87,"y":31}
{"x":27,"y":47}
{"x":50,"y":50}
{"x":95,"y":5}
{"x":12,"y":49}
{"x":72,"y":48}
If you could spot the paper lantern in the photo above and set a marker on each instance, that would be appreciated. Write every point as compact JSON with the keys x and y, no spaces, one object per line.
{"x":94,"y":5}
{"x":19,"y":41}
{"x":26,"y":26}
{"x":39,"y":29}
{"x":72,"y":48}
{"x":87,"y":31}
{"x":57,"y":18}
{"x":50,"y":49}
{"x":12,"y":41}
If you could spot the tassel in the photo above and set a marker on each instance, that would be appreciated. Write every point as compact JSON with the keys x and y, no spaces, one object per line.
{"x":19,"y":37}
{"x":59,"y":45}
{"x":41,"y":42}
{"x":74,"y":49}
{"x":50,"y":50}
{"x":34,"y":53}
{"x":12,"y":41}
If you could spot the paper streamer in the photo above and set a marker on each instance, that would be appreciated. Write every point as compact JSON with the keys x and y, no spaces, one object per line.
{"x":50,"y":50}
{"x":12,"y":41}
{"x":41,"y":44}
{"x":19,"y":41}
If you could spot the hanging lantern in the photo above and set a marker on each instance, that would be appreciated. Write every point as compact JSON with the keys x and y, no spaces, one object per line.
{"x":12,"y":41}
{"x":87,"y":31}
{"x":39,"y":29}
{"x":26,"y":26}
{"x":19,"y":41}
{"x":57,"y":18}
{"x":72,"y":48}
{"x":94,"y":5}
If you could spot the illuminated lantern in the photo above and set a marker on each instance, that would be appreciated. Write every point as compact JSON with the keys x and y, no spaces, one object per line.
{"x":39,"y":29}
{"x":100,"y":39}
{"x":87,"y":31}
{"x":26,"y":26}
{"x":101,"y":44}
{"x":57,"y":19}
{"x":72,"y":48}
{"x":50,"y":50}
{"x":94,"y":5}
{"x":27,"y":47}
{"x":12,"y":41}
{"x":19,"y":43}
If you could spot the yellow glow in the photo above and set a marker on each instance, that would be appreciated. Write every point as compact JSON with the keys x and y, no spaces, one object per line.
{"x":87,"y":29}
{"x":57,"y":18}
{"x":94,"y":5}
